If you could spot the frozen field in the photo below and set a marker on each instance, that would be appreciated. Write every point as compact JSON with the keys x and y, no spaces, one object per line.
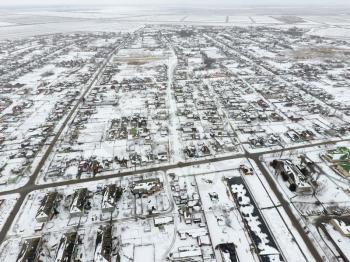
{"x":24,"y":23}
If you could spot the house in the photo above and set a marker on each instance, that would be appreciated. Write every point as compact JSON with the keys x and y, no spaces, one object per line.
{"x":46,"y":209}
{"x":205,"y":149}
{"x":203,"y":240}
{"x":227,"y":252}
{"x":293,"y":136}
{"x":187,"y":252}
{"x":146,"y":186}
{"x":78,"y":203}
{"x":111,"y":194}
{"x":160,"y":221}
{"x":104,"y":245}
{"x":162,"y":156}
{"x":340,"y":154}
{"x":341,"y":227}
{"x":306,"y":135}
{"x":187,"y":216}
{"x":189,"y":130}
{"x":292,"y":174}
{"x":190,"y":151}
{"x":344,"y":169}
{"x":197,"y":218}
{"x":244,"y":170}
{"x":30,"y":250}
{"x":65,"y":250}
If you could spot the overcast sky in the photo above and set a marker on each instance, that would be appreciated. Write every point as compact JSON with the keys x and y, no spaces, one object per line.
{"x":176,"y":2}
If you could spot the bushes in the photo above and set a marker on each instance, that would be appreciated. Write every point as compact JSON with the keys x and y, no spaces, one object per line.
{"x":292,"y":187}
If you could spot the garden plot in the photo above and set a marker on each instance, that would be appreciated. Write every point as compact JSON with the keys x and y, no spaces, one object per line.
{"x":7,"y":202}
{"x":141,"y":237}
{"x":43,"y":93}
{"x":236,"y":19}
{"x":340,"y":93}
{"x":123,"y":122}
{"x":173,"y":96}
{"x":282,"y":65}
{"x":6,"y":24}
{"x":86,"y":208}
{"x":25,"y":31}
{"x":291,"y":19}
{"x":204,"y":132}
{"x":261,"y":235}
{"x":26,"y":131}
{"x":90,"y":204}
{"x":263,"y":53}
{"x":55,"y":245}
{"x":334,"y":20}
{"x":192,"y":239}
{"x":159,"y":18}
{"x":207,"y":18}
{"x":264,"y":20}
{"x":144,"y":253}
{"x":225,"y":225}
{"x":325,"y":189}
{"x":76,"y":53}
{"x":328,"y":194}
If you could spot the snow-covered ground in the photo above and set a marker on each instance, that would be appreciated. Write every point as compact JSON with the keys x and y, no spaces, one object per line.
{"x":190,"y":123}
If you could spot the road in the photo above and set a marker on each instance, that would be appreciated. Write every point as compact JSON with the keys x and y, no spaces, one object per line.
{"x":287,"y":207}
{"x":31,"y":186}
{"x":27,"y":188}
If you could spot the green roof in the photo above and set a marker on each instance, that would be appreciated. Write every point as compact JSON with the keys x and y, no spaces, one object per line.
{"x":340,"y":153}
{"x":346,"y":167}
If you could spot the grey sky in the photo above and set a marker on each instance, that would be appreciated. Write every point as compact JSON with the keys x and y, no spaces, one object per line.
{"x":176,"y":2}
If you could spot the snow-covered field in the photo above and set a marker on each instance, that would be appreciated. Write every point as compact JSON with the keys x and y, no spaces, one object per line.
{"x":16,"y":24}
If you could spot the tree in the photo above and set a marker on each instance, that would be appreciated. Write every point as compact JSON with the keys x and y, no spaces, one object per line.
{"x":292,"y":187}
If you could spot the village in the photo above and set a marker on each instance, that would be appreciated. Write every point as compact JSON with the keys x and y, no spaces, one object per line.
{"x":175,"y":143}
